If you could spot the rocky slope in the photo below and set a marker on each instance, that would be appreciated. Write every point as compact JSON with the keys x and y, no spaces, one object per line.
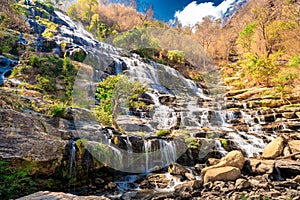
{"x":41,"y":132}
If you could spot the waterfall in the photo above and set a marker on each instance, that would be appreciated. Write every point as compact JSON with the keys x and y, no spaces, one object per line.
{"x":218,"y":147}
{"x":72,"y":165}
{"x":161,"y":154}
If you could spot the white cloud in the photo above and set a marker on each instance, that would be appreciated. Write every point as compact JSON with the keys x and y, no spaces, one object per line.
{"x":194,"y":13}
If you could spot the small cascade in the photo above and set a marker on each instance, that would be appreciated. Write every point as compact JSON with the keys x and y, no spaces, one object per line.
{"x":173,"y":182}
{"x":249,"y":144}
{"x":129,"y":183}
{"x":72,"y":165}
{"x":219,"y":148}
{"x":160,"y":151}
{"x":163,"y":116}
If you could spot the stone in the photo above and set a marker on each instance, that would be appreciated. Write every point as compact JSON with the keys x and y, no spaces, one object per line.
{"x":189,"y":176}
{"x":286,"y":151}
{"x":261,"y":166}
{"x":297,"y":179}
{"x":213,"y":161}
{"x":274,"y":149}
{"x":233,"y":159}
{"x":295,"y":147}
{"x":288,"y":167}
{"x":242,"y":184}
{"x":59,"y":196}
{"x":177,"y":169}
{"x":222,"y":174}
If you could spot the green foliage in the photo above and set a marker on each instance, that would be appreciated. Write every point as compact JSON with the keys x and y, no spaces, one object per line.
{"x":192,"y":143}
{"x":245,"y":37}
{"x":284,"y":83}
{"x":294,"y":62}
{"x":111,"y":96}
{"x":224,"y":143}
{"x":44,"y":83}
{"x":14,"y":180}
{"x":57,"y":110}
{"x":260,"y":69}
{"x":51,"y":28}
{"x":176,"y":56}
{"x":139,"y":40}
{"x":162,"y":133}
{"x":46,"y":5}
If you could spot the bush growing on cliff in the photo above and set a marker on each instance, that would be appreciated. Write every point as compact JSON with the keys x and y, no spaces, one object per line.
{"x":114,"y":91}
{"x":176,"y":56}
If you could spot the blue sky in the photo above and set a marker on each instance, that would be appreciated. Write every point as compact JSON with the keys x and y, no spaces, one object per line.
{"x":188,"y":12}
{"x":165,"y":9}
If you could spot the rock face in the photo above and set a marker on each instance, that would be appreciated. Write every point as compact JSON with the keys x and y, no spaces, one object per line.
{"x":222,"y":174}
{"x":274,"y":149}
{"x":59,"y":196}
{"x":26,"y":137}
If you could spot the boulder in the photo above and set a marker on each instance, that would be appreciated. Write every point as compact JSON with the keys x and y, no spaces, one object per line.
{"x":274,"y":148}
{"x":222,"y":174}
{"x":233,"y":159}
{"x":295,"y":147}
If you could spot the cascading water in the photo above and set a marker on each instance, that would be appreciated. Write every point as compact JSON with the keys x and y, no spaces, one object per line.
{"x":72,"y":165}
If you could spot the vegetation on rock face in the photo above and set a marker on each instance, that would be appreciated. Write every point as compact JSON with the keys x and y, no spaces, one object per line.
{"x":14,"y":180}
{"x":162,"y":133}
{"x":114,"y":92}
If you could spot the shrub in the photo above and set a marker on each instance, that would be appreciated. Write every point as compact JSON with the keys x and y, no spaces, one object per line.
{"x":58,"y":110}
{"x":176,"y":56}
{"x":162,"y":133}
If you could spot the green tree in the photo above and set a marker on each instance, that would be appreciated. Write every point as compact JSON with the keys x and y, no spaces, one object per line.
{"x":260,"y":70}
{"x":246,"y":36}
{"x":114,"y":92}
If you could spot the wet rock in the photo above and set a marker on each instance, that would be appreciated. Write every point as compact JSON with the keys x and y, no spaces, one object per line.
{"x":157,"y":181}
{"x":167,"y":99}
{"x":199,"y":167}
{"x":59,"y":196}
{"x":274,"y":148}
{"x":222,"y":174}
{"x":287,"y":184}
